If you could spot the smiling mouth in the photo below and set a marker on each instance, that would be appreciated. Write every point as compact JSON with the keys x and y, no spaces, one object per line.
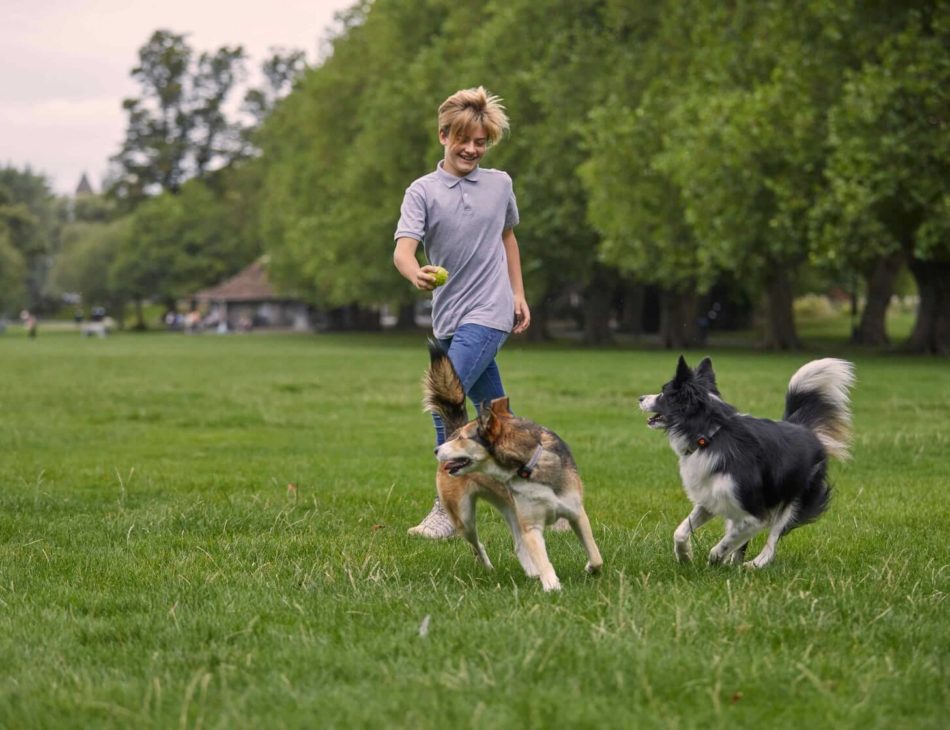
{"x":454,"y":466}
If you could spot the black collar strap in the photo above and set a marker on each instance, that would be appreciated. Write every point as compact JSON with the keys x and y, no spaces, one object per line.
{"x":525,"y":471}
{"x":703,"y":441}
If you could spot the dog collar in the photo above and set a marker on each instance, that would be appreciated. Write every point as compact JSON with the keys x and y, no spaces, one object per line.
{"x":702,"y":441}
{"x":525,"y":471}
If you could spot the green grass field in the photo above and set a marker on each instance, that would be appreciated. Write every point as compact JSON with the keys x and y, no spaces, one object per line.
{"x":156,"y":571}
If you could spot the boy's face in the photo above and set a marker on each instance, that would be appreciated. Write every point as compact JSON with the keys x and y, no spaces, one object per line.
{"x":463,"y":153}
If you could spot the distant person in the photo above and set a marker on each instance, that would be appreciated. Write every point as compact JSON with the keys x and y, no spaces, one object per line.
{"x":465,"y":217}
{"x":30,"y":323}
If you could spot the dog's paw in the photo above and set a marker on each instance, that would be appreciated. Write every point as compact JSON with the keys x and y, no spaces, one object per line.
{"x":683,"y":551}
{"x":716,"y":556}
{"x":593,"y":569}
{"x":550,"y":584}
{"x":735,"y":559}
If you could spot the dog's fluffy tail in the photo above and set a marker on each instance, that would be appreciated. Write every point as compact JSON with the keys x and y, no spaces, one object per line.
{"x":443,"y":393}
{"x":817,"y":398}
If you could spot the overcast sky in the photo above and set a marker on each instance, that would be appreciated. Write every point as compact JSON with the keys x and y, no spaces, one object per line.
{"x":64,"y":67}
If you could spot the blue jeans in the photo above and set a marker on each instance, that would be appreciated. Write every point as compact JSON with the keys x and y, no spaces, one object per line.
{"x":472,"y":351}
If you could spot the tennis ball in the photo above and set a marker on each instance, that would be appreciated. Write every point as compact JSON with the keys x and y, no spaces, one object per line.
{"x":441,"y":275}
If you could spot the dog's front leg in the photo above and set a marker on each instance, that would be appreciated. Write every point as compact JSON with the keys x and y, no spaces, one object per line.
{"x":534,"y":542}
{"x":466,"y":515}
{"x":682,"y":549}
{"x":521,"y":550}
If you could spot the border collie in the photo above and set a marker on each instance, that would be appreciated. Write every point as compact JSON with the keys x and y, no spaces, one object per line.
{"x":756,"y":473}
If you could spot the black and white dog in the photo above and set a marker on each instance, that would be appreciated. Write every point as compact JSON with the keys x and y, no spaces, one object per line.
{"x":756,"y":473}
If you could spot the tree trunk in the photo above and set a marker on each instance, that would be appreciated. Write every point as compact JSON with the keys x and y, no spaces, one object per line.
{"x":932,"y":328}
{"x":872,"y":330}
{"x":780,"y":333}
{"x":597,"y":307}
{"x":679,"y":327}
{"x":139,"y":317}
{"x":406,"y":319}
{"x":539,"y":330}
{"x":631,"y":308}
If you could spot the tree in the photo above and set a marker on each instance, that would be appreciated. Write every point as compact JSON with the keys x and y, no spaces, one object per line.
{"x":83,"y":264}
{"x":282,"y":70}
{"x":890,"y":162}
{"x":634,"y":203}
{"x":29,"y":225}
{"x":176,"y":128}
{"x":12,"y":275}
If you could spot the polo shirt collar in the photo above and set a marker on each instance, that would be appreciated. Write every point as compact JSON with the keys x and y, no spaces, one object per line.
{"x":450,"y":180}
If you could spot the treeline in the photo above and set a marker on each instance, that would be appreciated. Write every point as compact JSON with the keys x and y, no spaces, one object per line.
{"x":672,"y":147}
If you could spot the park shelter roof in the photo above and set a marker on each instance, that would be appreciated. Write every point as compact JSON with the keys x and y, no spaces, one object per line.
{"x":248,"y":285}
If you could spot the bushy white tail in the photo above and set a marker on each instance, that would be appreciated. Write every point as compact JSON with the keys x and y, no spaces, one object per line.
{"x":818,"y":398}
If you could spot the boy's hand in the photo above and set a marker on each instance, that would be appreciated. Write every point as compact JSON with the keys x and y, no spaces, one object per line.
{"x":425,"y":278}
{"x":522,"y":315}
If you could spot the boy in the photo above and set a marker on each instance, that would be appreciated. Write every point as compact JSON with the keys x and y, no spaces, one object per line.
{"x":465,"y":216}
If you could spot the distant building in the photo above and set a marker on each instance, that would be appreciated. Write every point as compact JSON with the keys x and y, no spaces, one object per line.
{"x":84,"y":187}
{"x":248,"y":300}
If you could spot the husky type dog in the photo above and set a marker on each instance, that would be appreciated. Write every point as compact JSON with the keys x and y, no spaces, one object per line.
{"x":756,"y":473}
{"x":521,"y":468}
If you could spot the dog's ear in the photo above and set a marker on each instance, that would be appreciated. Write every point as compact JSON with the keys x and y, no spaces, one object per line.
{"x":683,"y":373}
{"x":490,"y":417}
{"x":706,"y":375}
{"x":499,"y":406}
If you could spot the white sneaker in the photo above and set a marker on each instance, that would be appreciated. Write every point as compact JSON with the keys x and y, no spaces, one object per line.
{"x":437,"y":525}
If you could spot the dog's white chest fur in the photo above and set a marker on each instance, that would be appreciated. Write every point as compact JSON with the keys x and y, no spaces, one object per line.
{"x":714,"y":491}
{"x":543,"y":501}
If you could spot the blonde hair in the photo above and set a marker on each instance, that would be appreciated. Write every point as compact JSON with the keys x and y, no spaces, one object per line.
{"x":468,"y":107}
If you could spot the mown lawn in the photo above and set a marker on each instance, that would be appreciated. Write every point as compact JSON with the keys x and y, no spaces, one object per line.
{"x":157,"y":569}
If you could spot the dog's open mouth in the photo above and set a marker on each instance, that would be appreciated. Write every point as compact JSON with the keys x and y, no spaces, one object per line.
{"x":454,"y":466}
{"x":656,"y":421}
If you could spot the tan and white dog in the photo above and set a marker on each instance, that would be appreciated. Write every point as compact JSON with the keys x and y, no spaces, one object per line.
{"x":524,"y":470}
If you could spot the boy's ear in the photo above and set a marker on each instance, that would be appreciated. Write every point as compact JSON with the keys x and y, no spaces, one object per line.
{"x":706,"y":375}
{"x":683,"y":373}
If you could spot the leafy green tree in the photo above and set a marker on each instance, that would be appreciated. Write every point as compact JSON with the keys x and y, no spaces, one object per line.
{"x":176,"y":244}
{"x":29,"y":222}
{"x":83,"y":264}
{"x":176,"y":127}
{"x":282,"y":70}
{"x":635,"y":205}
{"x":12,"y":275}
{"x":890,"y":162}
{"x":340,"y":151}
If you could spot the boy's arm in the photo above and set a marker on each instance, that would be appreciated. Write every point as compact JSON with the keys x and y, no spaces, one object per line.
{"x":522,"y":313}
{"x":404,"y":257}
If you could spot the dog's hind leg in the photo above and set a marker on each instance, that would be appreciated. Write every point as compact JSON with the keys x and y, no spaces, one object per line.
{"x":534,"y":541}
{"x":775,"y":534}
{"x":581,"y":525}
{"x":682,"y":549}
{"x":738,"y":533}
{"x":738,"y":556}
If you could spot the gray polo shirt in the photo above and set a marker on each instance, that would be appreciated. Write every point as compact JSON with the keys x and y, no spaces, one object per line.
{"x":460,"y":221}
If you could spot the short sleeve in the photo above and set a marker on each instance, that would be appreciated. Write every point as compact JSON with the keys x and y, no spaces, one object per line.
{"x":511,"y":213}
{"x":413,"y":222}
